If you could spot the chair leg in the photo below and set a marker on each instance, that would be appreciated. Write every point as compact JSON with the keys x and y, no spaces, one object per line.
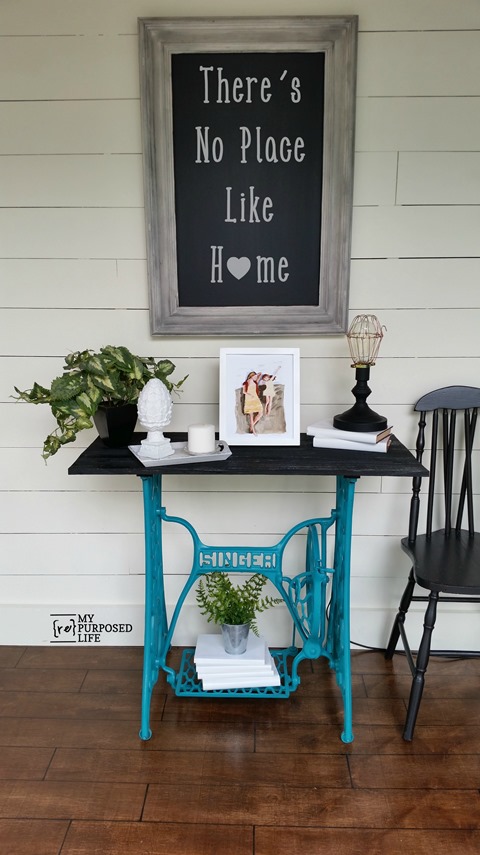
{"x":423,"y":656}
{"x":401,"y":614}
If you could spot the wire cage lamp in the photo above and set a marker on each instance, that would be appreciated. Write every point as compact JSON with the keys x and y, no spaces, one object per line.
{"x":364,"y":338}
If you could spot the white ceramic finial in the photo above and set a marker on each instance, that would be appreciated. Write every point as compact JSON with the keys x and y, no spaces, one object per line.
{"x":155,"y":413}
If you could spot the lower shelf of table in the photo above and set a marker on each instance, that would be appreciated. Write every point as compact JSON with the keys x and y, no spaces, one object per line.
{"x":188,"y":683}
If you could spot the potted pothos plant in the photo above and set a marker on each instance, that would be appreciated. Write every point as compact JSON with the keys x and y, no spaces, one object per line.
{"x":234,"y":607}
{"x":93,"y":386}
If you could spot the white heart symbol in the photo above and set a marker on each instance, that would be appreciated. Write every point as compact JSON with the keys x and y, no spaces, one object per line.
{"x":238,"y":267}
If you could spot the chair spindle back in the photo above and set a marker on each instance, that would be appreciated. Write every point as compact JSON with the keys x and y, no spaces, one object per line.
{"x":453,"y":413}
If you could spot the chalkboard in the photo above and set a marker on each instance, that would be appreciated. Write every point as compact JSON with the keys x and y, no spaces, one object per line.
{"x":248,"y":144}
{"x":248,"y":153}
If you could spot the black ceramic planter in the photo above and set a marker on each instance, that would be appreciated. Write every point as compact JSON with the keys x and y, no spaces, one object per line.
{"x":116,"y":425}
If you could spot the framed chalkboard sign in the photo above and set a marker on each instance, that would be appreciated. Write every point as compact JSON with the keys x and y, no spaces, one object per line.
{"x":248,"y":130}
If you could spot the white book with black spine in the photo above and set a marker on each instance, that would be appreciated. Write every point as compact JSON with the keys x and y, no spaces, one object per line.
{"x":325,"y":429}
{"x":351,"y":445}
{"x":251,"y":681}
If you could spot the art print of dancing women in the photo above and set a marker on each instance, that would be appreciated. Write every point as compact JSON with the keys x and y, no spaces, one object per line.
{"x":260,"y":404}
{"x":259,"y":395}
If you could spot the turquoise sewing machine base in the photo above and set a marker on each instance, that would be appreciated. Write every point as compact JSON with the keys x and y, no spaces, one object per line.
{"x":305,"y":596}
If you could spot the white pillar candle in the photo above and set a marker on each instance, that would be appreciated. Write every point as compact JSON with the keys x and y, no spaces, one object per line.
{"x":201,"y":439}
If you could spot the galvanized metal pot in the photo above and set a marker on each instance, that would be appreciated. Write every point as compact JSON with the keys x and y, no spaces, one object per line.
{"x":235,"y":637}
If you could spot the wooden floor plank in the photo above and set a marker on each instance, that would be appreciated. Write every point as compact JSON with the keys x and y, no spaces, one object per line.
{"x":369,"y":739}
{"x":374,"y":662}
{"x":10,"y":656}
{"x":315,"y":806}
{"x":291,"y":738}
{"x":122,"y":838}
{"x":199,"y":768}
{"x":443,"y":666}
{"x":425,"y":771}
{"x":312,"y":841}
{"x":53,"y":656}
{"x":84,"y":705}
{"x":41,"y":680}
{"x":436,"y":686}
{"x":51,"y":800}
{"x":168,"y":736}
{"x":29,"y":764}
{"x":295,"y":709}
{"x":118,"y":680}
{"x":449,"y":711}
{"x":32,"y":837}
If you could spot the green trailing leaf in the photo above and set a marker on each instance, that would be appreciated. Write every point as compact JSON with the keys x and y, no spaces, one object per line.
{"x":74,"y":360}
{"x":50,"y":446}
{"x":164,"y":368}
{"x":181,"y":382}
{"x":36,"y":395}
{"x":223,"y":602}
{"x":83,"y":423}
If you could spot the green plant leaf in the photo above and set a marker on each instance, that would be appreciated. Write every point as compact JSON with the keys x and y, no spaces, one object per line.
{"x":83,"y":423}
{"x":67,"y":387}
{"x":50,"y":446}
{"x":139,"y":370}
{"x":94,"y":393}
{"x":108,"y":382}
{"x":164,"y":368}
{"x":121,"y":358}
{"x":96,"y":364}
{"x":36,"y":395}
{"x":86,"y":402}
{"x":76,"y":359}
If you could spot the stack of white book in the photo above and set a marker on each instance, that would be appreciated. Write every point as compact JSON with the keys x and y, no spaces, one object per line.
{"x":327,"y":436}
{"x":220,"y":670}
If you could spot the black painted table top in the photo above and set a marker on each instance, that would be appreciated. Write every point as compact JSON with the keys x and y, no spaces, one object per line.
{"x":301,"y":459}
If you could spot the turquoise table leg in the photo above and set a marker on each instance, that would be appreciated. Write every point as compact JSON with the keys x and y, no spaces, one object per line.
{"x":338,"y":635}
{"x":155,"y":611}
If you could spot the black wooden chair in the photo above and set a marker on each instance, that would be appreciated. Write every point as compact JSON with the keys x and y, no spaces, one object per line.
{"x":446,"y":558}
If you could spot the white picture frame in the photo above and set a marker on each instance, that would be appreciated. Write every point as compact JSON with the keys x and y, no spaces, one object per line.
{"x":259,"y":396}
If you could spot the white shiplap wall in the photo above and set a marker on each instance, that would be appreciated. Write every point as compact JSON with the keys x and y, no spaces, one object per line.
{"x":72,"y":275}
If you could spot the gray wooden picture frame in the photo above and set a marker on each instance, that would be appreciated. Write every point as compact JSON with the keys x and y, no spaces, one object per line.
{"x":160,"y":39}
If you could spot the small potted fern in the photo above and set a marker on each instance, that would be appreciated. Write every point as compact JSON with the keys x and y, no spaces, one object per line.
{"x":233,"y":607}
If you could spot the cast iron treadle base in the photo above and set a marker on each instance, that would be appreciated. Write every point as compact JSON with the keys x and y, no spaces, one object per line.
{"x":187,"y":682}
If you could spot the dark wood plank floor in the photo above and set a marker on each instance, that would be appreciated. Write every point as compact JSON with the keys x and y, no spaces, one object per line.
{"x":240,"y":777}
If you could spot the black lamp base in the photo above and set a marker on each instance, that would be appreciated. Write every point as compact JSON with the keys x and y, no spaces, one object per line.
{"x":370,"y":421}
{"x":360,"y":417}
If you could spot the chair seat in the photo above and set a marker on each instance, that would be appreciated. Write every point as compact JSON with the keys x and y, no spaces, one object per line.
{"x":440,"y":562}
